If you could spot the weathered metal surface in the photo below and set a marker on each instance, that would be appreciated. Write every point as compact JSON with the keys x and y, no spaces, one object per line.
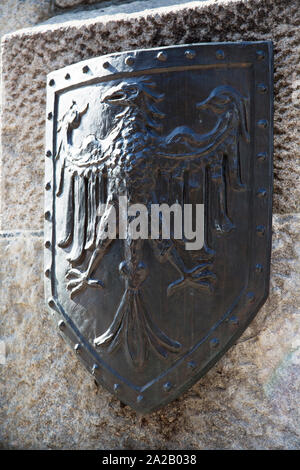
{"x":188,"y":124}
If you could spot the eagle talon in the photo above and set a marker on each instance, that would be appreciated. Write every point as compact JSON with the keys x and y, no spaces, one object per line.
{"x":225,"y":227}
{"x":197,"y":277}
{"x":80,"y":282}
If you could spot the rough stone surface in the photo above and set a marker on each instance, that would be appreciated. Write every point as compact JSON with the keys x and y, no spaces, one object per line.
{"x":30,"y":54}
{"x":249,"y":400}
{"x":16,"y":14}
{"x":117,"y":7}
{"x":73,"y":3}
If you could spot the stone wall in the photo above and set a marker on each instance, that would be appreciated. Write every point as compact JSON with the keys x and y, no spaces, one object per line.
{"x":48,"y":401}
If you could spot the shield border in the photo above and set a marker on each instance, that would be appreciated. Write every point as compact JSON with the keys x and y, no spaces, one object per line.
{"x":259,"y":56}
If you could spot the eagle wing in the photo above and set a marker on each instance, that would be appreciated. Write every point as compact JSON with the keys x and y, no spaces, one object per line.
{"x":82,"y":184}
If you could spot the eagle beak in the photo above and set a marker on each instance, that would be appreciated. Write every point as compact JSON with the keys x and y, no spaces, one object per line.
{"x":203,"y":104}
{"x":117,"y":97}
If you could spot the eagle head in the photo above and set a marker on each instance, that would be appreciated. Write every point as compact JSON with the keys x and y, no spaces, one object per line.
{"x":225,"y":100}
{"x":221,"y":99}
{"x":131,"y":91}
{"x":124,"y":94}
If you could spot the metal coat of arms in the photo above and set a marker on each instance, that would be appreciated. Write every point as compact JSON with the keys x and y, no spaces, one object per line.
{"x":158,"y":210}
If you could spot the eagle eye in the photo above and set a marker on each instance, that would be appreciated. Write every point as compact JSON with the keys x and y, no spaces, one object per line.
{"x":131,"y":89}
{"x":224,"y":99}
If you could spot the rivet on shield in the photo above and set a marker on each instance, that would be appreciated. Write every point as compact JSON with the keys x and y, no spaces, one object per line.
{"x":262,"y":88}
{"x":260,"y":229}
{"x":260,"y":55}
{"x":162,"y":56}
{"x":261,"y":156}
{"x":233,"y":320}
{"x":129,"y":60}
{"x":262,"y":123}
{"x":220,"y":54}
{"x":191,"y":364}
{"x":214,"y":342}
{"x":51,"y":302}
{"x":190,"y":54}
{"x":250,"y":297}
{"x":261,"y":193}
{"x":167,"y":386}
{"x":259,"y":268}
{"x":47,"y":272}
{"x":61,"y":324}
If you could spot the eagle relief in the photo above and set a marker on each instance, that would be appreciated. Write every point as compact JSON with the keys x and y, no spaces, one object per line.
{"x":151,"y":212}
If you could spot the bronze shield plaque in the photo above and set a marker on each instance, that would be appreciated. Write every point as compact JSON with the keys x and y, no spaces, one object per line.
{"x":188,"y":124}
